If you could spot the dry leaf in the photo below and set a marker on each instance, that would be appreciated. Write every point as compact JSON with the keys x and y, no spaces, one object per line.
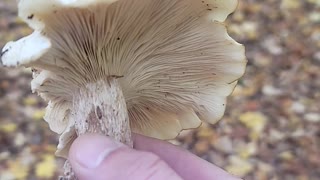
{"x":255,"y":121}
{"x":46,"y":168}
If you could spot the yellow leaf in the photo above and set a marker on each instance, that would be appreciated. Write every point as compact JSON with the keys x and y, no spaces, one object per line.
{"x":316,"y":2}
{"x":18,"y":170}
{"x":8,"y":127}
{"x":286,"y":155}
{"x":255,"y":121}
{"x":205,"y":132}
{"x":46,"y":168}
{"x":290,"y":4}
{"x":30,"y":101}
{"x":248,"y":150}
{"x":38,"y":115}
{"x":239,"y":167}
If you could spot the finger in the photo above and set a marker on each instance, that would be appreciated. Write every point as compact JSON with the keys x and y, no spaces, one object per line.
{"x":187,"y":165}
{"x":98,"y":157}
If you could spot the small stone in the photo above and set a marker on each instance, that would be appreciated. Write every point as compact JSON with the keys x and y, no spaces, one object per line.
{"x":28,"y":158}
{"x":312,"y":117}
{"x":261,"y":60}
{"x":265,"y":167}
{"x":7,"y":175}
{"x":286,"y":155}
{"x":298,"y":107}
{"x":19,"y":140}
{"x":314,"y":16}
{"x":272,"y":45}
{"x":14,"y":96}
{"x":223,"y":144}
{"x":275,"y":135}
{"x":250,"y":28}
{"x":271,"y":91}
{"x":298,"y":133}
{"x":4,"y":155}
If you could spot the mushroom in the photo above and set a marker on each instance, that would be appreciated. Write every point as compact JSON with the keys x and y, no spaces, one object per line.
{"x":120,"y":66}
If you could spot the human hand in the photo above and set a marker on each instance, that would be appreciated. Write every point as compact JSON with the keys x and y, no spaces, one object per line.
{"x":93,"y":156}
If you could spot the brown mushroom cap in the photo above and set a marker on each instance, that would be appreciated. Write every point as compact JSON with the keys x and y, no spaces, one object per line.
{"x":176,"y":61}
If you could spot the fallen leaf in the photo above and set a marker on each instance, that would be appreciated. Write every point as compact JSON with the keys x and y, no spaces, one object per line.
{"x":8,"y":127}
{"x":46,"y":168}
{"x":38,"y":114}
{"x":238,"y":166}
{"x":18,"y":170}
{"x":290,"y":4}
{"x":255,"y":121}
{"x":247,"y":150}
{"x":30,"y":101}
{"x":286,"y":155}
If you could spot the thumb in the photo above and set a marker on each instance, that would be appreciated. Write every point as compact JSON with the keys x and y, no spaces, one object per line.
{"x":94,"y":156}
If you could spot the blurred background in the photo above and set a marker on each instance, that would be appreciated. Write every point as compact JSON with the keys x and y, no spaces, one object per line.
{"x":271,"y":130}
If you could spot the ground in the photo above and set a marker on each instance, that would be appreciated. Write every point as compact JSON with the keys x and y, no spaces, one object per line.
{"x":271,"y":129}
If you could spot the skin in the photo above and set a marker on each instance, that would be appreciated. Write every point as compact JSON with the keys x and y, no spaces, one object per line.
{"x":94,"y":156}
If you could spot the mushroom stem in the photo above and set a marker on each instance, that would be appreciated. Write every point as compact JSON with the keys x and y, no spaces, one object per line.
{"x":100,"y":107}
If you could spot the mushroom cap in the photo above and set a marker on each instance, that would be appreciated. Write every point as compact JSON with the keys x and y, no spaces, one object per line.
{"x":176,"y":61}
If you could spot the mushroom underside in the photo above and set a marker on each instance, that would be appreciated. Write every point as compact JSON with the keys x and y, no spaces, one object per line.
{"x":173,"y":59}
